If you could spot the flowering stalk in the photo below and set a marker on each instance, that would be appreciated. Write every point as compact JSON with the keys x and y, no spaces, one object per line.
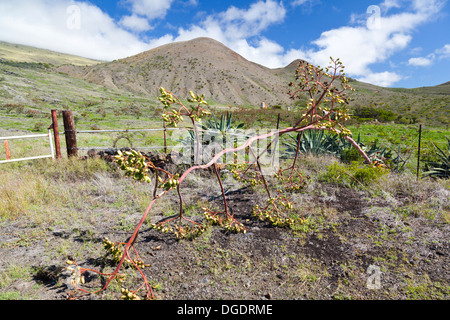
{"x":326,"y":110}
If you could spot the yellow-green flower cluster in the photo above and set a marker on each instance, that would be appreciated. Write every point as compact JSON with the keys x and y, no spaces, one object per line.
{"x":113,"y":249}
{"x":134,"y":164}
{"x":75,"y":278}
{"x":228,"y":223}
{"x":277,"y":212}
{"x":180,"y":232}
{"x":242,"y":173}
{"x":129,"y":295}
{"x":170,"y":183}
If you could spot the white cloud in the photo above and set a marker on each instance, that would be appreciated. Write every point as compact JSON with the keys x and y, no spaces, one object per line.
{"x":428,"y":7}
{"x":441,"y":53}
{"x":388,"y":4}
{"x":358,"y":48}
{"x":235,"y":27}
{"x":363,"y":45}
{"x":152,"y":9}
{"x":144,"y":11}
{"x":135,"y":23}
{"x":384,"y":79}
{"x":192,"y":3}
{"x":44,"y":24}
{"x":444,"y":52}
{"x":250,"y":22}
{"x":296,"y":3}
{"x":420,"y":62}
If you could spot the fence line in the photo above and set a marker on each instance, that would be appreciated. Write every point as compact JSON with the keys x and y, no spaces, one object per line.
{"x":124,"y":130}
{"x":105,"y":148}
{"x":71,"y":134}
{"x":156,"y":129}
{"x":144,"y":130}
{"x":8,"y":157}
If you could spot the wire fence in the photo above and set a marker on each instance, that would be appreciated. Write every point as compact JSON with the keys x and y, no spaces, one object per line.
{"x":7,"y":139}
{"x":168,"y":141}
{"x":138,"y":139}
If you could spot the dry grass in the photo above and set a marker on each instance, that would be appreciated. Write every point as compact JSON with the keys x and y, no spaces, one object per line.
{"x":16,"y":52}
{"x":53,"y":209}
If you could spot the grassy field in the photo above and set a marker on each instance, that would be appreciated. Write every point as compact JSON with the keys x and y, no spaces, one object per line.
{"x":54,"y":210}
{"x":354,"y":217}
{"x":21,"y":53}
{"x":29,"y":90}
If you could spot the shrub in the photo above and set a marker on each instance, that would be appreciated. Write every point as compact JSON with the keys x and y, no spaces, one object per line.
{"x":353,"y":174}
{"x":349,"y":155}
{"x":367,"y":113}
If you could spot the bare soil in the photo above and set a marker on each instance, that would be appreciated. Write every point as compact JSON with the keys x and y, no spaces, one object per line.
{"x":335,"y":260}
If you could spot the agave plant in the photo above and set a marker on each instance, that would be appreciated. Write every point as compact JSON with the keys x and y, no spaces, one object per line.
{"x":441,"y":168}
{"x":223,"y":125}
{"x":318,"y":142}
{"x":213,"y":128}
{"x":313,"y":142}
{"x":378,"y":155}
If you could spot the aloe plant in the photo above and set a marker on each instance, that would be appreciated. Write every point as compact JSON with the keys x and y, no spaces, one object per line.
{"x":440,"y":168}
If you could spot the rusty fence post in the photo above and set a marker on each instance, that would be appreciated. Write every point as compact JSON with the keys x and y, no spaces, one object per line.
{"x":56,"y":134}
{"x":70,"y":133}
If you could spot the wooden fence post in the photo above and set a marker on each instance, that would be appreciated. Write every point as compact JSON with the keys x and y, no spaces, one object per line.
{"x":56,"y":134}
{"x":70,"y":133}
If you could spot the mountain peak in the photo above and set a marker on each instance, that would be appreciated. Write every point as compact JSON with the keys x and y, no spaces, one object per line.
{"x":206,"y":40}
{"x":202,"y":48}
{"x":203,"y":65}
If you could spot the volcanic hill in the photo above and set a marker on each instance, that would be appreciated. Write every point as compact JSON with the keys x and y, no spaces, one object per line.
{"x":202,"y":65}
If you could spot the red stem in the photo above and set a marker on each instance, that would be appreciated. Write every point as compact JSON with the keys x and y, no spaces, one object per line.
{"x":221,"y":188}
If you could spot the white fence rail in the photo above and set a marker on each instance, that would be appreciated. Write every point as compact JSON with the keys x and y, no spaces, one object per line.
{"x":8,"y":157}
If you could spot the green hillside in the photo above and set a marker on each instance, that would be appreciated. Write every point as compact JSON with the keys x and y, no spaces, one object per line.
{"x":30,"y":86}
{"x":21,"y":53}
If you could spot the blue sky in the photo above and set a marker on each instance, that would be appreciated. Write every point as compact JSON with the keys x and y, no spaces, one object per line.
{"x":395,"y":43}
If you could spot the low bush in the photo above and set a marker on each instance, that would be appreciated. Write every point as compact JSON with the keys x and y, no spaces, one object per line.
{"x":354,"y":174}
{"x":367,"y":113}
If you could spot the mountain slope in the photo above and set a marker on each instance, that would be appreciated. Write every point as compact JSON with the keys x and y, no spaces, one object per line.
{"x":226,"y":78}
{"x":202,"y":65}
{"x":443,"y":89}
{"x":22,"y":53}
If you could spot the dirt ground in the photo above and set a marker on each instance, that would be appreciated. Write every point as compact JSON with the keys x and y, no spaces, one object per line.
{"x":362,"y":251}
